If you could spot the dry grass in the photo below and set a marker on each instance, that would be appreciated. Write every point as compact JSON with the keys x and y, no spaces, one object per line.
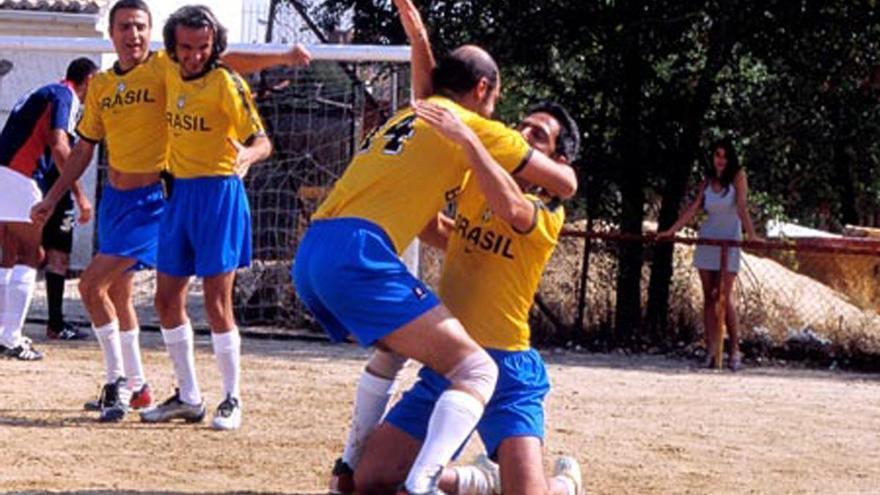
{"x":771,"y":299}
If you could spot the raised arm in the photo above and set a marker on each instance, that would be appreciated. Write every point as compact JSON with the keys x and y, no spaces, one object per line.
{"x":247,"y":63}
{"x":422,"y":58}
{"x":741,"y":184}
{"x":689,"y":213}
{"x":555,"y":179}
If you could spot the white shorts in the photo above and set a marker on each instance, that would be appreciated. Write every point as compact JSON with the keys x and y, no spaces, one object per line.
{"x":20,"y":193}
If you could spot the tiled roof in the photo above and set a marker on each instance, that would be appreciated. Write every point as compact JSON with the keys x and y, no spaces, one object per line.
{"x":64,"y":6}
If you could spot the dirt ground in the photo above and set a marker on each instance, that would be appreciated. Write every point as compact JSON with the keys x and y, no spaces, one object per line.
{"x":638,"y":425}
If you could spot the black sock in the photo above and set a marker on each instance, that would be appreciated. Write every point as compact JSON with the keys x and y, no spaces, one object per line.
{"x":55,"y":298}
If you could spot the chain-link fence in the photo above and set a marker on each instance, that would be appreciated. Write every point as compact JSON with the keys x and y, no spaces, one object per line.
{"x":809,"y":298}
{"x":316,"y":117}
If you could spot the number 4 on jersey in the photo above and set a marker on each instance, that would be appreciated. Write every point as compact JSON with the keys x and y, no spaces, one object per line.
{"x":397,"y":135}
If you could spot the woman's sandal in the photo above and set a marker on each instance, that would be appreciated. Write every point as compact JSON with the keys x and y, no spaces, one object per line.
{"x":735,"y":362}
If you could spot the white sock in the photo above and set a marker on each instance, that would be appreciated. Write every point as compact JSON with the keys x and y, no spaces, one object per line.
{"x":5,"y":275}
{"x":371,"y":399}
{"x":19,"y":290}
{"x":570,"y":489}
{"x":131,"y":358}
{"x":472,"y":481}
{"x":455,"y":416}
{"x":227,"y":352}
{"x":179,"y":342}
{"x":108,"y":339}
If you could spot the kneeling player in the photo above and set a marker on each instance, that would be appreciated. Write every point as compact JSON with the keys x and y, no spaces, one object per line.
{"x":492,"y":268}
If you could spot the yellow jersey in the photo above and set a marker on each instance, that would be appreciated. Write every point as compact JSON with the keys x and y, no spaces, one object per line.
{"x":128,"y":110}
{"x":202,"y":115}
{"x":491,"y":271}
{"x":406,"y":171}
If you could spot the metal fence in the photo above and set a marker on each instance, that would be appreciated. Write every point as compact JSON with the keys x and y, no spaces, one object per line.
{"x":814,"y":297}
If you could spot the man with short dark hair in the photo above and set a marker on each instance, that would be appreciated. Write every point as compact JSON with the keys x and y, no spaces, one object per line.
{"x":57,"y":241}
{"x":41,"y":119}
{"x":401,"y":178}
{"x":126,"y":109}
{"x":496,"y":249}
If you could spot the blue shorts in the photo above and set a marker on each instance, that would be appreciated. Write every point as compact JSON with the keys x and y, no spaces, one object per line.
{"x":206,"y":229}
{"x":128,"y":223}
{"x":348,"y":275}
{"x":516,"y":408}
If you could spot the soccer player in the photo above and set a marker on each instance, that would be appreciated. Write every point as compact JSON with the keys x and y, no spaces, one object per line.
{"x":58,"y":243}
{"x":347,"y":270}
{"x":215,"y":136}
{"x":127,"y":109}
{"x":519,"y":413}
{"x":496,"y":250}
{"x":40,"y":119}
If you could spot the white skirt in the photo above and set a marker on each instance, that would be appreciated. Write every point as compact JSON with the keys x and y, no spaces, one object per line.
{"x":709,"y":258}
{"x":17,"y":195}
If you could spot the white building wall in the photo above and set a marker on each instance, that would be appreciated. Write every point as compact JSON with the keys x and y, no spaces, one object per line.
{"x":34,"y":69}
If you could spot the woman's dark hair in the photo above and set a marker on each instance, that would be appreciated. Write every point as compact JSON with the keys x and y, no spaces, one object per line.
{"x":195,"y":17}
{"x":732,"y":167}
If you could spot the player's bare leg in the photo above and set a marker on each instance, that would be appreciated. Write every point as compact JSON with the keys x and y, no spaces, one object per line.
{"x":121,"y":294}
{"x":227,"y":348}
{"x":94,"y":288}
{"x":177,"y":332}
{"x":22,"y":255}
{"x":439,"y":341}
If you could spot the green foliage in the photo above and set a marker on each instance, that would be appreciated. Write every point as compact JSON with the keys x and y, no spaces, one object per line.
{"x":765,"y":207}
{"x":795,"y":84}
{"x":789,"y":87}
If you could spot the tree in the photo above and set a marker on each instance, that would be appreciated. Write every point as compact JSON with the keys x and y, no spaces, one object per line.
{"x":653,"y":82}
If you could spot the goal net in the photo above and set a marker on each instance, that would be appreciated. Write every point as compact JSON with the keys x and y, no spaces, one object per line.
{"x":316,"y":117}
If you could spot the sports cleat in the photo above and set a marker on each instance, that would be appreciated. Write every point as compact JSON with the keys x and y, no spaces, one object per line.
{"x":112,"y":405}
{"x":24,"y":351}
{"x":67,"y":332}
{"x":142,"y":398}
{"x":735,"y":361}
{"x":228,"y":415}
{"x":491,"y":470}
{"x":95,"y":405}
{"x":341,"y":479}
{"x":568,"y":467}
{"x":125,"y":395}
{"x":174,"y":408}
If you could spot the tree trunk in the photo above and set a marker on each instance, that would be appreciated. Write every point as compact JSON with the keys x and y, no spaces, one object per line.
{"x":683,"y":158}
{"x":843,"y":168}
{"x":628,"y":311}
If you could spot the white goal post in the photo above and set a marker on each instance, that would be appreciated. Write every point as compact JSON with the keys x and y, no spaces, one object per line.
{"x":340,"y":53}
{"x":320,"y":98}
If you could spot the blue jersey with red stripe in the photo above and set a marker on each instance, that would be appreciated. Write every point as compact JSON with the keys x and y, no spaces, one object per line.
{"x":35,"y":115}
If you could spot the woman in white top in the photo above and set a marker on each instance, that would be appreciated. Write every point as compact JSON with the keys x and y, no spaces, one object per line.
{"x":723,"y":195}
